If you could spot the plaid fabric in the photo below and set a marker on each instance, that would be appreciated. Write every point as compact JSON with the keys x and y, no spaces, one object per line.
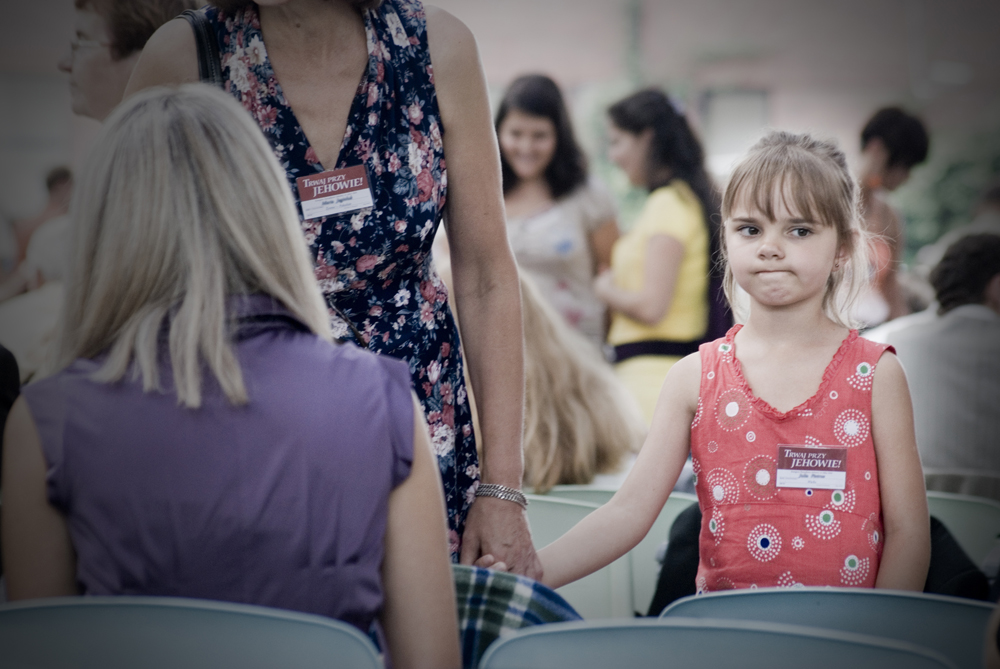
{"x":492,"y":604}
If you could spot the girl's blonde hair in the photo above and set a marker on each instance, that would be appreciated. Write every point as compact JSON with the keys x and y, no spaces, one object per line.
{"x":813,"y":173}
{"x":579,"y":420}
{"x":181,"y":204}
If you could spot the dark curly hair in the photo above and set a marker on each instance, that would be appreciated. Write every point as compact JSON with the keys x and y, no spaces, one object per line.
{"x":538,"y":95}
{"x":965,"y":270}
{"x":903,"y":134}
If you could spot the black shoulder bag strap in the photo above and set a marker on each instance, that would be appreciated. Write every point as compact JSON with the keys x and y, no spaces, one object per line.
{"x":209,"y":63}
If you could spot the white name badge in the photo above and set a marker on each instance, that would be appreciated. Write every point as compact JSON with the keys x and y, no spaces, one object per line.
{"x":334,"y":192}
{"x":822,"y":467}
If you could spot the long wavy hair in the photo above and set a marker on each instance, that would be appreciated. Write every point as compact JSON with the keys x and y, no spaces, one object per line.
{"x":579,"y":420}
{"x":538,"y":95}
{"x":675,"y":152}
{"x":181,"y":206}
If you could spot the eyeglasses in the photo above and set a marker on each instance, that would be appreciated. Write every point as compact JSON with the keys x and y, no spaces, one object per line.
{"x":76,"y":44}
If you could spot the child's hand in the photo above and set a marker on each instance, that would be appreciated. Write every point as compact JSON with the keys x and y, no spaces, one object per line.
{"x":490,"y":562}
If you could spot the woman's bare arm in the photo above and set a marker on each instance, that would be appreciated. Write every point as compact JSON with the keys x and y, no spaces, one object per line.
{"x":615,"y":528}
{"x":169,"y":57}
{"x":419,"y":613}
{"x":38,"y":556}
{"x":907,"y":549}
{"x":649,"y":304}
{"x":602,"y":241}
{"x":486,"y":290}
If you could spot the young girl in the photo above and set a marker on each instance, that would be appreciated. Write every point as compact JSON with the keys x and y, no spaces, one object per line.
{"x":801,"y":433}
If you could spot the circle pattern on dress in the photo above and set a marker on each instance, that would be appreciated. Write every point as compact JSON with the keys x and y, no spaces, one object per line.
{"x":697,"y":415}
{"x":854,"y":571}
{"x":764,"y":542}
{"x":787,"y":580}
{"x":833,"y":394}
{"x":717,"y":526}
{"x":843,"y":500}
{"x":723,"y":488}
{"x":713,"y":446}
{"x":724,"y":584}
{"x":732,"y":410}
{"x":751,"y":436}
{"x":823,"y":525}
{"x":851,"y":427}
{"x":759,"y":477}
{"x":862,"y":377}
{"x":812,"y":441}
{"x":798,"y":543}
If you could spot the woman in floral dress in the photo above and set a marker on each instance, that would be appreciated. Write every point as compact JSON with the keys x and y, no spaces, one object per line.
{"x":374,"y":263}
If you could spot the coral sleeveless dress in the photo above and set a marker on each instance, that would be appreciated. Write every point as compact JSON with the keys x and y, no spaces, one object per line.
{"x":374,"y":265}
{"x":761,"y":525}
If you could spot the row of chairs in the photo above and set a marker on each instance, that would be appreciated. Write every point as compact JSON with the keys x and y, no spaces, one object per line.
{"x":816,"y":627}
{"x":628,"y":584}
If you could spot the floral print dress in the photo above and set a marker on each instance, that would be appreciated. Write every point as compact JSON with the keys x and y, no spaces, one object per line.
{"x":759,"y":532}
{"x":374,"y":265}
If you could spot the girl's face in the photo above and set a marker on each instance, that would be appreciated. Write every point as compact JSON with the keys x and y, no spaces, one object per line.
{"x":630,"y":152}
{"x":782,"y":262}
{"x":528,"y":143}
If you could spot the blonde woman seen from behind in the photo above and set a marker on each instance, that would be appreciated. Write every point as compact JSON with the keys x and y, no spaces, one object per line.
{"x":198,"y":375}
{"x":579,"y":418}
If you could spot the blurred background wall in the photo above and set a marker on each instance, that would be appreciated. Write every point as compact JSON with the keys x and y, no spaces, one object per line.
{"x":736,"y":67}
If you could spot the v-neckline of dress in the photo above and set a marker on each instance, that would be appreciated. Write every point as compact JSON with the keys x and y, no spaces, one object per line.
{"x":762,"y":405}
{"x":358,"y":104}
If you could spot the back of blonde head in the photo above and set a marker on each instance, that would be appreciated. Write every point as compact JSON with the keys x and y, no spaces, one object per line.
{"x":579,"y":420}
{"x":813,"y":177}
{"x":181,"y":205}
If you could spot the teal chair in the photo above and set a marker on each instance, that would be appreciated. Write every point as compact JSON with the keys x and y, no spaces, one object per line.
{"x":645,"y":568}
{"x":170,"y":633}
{"x":973,"y":521}
{"x":607,"y":593}
{"x":687,"y":643}
{"x":953,"y":627}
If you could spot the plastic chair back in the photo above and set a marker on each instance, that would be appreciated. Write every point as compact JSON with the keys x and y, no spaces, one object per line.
{"x":693,"y":644}
{"x":167,"y":633}
{"x":973,"y":521}
{"x":645,"y":568}
{"x":951,"y":626}
{"x":607,"y":593}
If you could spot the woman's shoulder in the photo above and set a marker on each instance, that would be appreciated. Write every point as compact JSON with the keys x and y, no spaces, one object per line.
{"x":593,"y":201}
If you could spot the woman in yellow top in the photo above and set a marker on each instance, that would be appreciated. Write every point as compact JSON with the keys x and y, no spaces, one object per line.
{"x":658,"y":285}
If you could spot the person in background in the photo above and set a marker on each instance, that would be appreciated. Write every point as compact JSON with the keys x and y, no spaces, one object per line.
{"x":59,"y":186}
{"x":658,"y":285}
{"x":579,"y":419}
{"x":561,"y":224}
{"x":109,"y":36}
{"x":951,"y":353}
{"x":893,"y":142}
{"x":43,"y":240}
{"x":424,"y":137}
{"x":202,"y":436}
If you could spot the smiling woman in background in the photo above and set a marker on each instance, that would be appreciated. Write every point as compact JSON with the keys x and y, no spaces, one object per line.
{"x":561,"y":225}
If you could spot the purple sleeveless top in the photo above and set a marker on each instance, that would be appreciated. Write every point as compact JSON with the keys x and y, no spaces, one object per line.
{"x":281,"y":502}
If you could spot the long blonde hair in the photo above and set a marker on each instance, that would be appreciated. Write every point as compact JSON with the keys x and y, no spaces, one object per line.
{"x":181,"y":204}
{"x":815,"y":173}
{"x":579,"y":420}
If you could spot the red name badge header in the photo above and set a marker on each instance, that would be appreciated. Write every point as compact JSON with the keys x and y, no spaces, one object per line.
{"x":334,"y":192}
{"x":812,"y":467}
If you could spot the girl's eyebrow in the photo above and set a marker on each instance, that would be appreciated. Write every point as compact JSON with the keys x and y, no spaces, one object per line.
{"x":745,"y":219}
